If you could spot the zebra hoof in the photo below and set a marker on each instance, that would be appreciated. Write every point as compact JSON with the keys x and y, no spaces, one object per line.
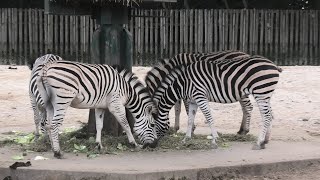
{"x":258,"y":147}
{"x":36,"y":137}
{"x":99,"y":147}
{"x":176,"y":129}
{"x":243,"y":132}
{"x":186,"y":139}
{"x":139,"y":147}
{"x":214,"y":146}
{"x":58,"y":155}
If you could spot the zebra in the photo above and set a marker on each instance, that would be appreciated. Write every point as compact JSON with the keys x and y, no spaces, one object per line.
{"x":63,"y":83}
{"x":37,"y":104}
{"x":155,"y":76}
{"x":223,"y":81}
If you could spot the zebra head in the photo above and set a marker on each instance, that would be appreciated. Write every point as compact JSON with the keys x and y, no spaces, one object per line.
{"x":141,"y":106}
{"x":145,"y":127}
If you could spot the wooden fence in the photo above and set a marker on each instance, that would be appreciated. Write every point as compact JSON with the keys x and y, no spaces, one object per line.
{"x":288,"y":37}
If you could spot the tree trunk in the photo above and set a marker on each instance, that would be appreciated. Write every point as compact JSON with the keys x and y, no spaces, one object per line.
{"x":112,"y":45}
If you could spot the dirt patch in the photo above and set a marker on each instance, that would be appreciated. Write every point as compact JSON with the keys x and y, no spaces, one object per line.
{"x":295,"y":104}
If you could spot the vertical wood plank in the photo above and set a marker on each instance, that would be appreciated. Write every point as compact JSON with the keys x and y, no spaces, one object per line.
{"x":147,"y":40}
{"x":156,"y":34}
{"x":271,"y":35}
{"x":301,"y":34}
{"x":210,"y":31}
{"x":316,"y":38}
{"x":162,"y":33}
{"x":252,"y":31}
{"x":2,"y":46}
{"x":193,"y":31}
{"x":171,"y":45}
{"x":41,"y":31}
{"x":36,"y":33}
{"x":62,"y":36}
{"x":176,"y":34}
{"x":200,"y":31}
{"x":10,"y":36}
{"x":215,"y":27}
{"x":132,"y":30}
{"x":181,"y":28}
{"x":286,"y":57}
{"x":138,"y":56}
{"x":151,"y":27}
{"x":277,"y":34}
{"x":185,"y":37}
{"x":305,"y":34}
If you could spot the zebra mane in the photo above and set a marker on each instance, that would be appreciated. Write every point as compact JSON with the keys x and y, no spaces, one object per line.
{"x":135,"y":83}
{"x":155,"y":76}
{"x":168,"y":80}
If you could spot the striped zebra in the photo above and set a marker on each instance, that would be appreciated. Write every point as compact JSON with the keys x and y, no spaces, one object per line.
{"x":223,"y":81}
{"x":158,"y":73}
{"x":63,"y":83}
{"x":37,"y":104}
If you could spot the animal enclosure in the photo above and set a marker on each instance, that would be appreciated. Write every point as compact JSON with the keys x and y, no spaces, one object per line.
{"x":288,"y":37}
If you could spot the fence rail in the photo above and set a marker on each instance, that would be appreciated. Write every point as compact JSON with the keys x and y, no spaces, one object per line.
{"x":289,"y":37}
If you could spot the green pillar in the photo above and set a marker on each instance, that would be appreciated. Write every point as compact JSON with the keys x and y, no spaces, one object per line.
{"x":112,"y":45}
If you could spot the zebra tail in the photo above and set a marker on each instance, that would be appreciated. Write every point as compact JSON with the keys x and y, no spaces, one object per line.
{"x":42,"y":89}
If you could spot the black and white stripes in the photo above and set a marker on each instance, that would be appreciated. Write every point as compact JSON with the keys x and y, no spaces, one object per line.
{"x":157,"y":74}
{"x":63,"y":83}
{"x":223,"y":81}
{"x":35,"y":98}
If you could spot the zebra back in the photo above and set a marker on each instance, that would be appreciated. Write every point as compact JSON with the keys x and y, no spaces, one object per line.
{"x":156,"y":74}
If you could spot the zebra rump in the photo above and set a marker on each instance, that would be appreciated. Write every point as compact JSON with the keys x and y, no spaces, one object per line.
{"x":37,"y":104}
{"x":223,"y":81}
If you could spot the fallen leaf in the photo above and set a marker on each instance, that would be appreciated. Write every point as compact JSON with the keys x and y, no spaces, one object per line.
{"x":17,"y":157}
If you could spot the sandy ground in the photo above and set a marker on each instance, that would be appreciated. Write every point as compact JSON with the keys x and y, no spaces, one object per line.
{"x":295,"y":104}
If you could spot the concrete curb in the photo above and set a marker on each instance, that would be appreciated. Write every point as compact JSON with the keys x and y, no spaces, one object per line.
{"x":221,"y":172}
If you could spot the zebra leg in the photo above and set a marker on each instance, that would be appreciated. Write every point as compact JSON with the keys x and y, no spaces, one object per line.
{"x":247,"y":108}
{"x":99,"y":114}
{"x":60,"y":103}
{"x":203,"y":104}
{"x":192,"y":113}
{"x":119,"y":112}
{"x":266,"y":113}
{"x":266,"y":141}
{"x":52,"y":131}
{"x":36,"y":115}
{"x":177,"y":110}
{"x":186,"y":105}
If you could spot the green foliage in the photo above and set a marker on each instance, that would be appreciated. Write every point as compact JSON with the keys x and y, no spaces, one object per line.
{"x":79,"y":142}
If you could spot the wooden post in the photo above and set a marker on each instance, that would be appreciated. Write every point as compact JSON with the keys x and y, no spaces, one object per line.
{"x":111,"y":45}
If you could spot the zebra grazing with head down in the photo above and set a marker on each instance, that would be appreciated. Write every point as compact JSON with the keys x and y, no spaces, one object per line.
{"x":63,"y":83}
{"x":158,"y":73}
{"x":37,"y":104}
{"x":224,"y":81}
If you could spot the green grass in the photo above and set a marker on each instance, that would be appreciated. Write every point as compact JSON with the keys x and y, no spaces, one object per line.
{"x":78,"y":142}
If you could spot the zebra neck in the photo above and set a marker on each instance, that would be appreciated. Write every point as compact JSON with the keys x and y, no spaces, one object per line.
{"x":169,"y":97}
{"x":136,"y":103}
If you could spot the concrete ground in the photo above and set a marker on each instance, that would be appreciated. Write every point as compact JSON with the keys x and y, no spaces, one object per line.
{"x":279,"y":159}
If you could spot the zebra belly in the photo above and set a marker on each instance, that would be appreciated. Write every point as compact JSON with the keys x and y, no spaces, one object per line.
{"x":80,"y":102}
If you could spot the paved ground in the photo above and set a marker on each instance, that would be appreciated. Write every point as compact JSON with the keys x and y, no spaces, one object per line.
{"x":237,"y":161}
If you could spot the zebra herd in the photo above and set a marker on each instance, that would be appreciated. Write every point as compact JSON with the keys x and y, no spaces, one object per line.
{"x":197,"y":79}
